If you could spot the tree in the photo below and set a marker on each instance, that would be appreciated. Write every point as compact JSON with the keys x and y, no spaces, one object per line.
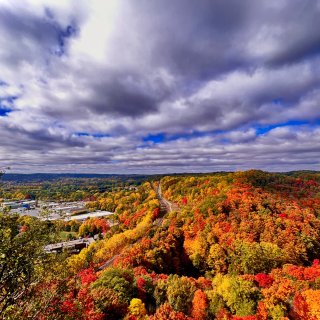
{"x":93,"y":226}
{"x":137,"y":309}
{"x":3,"y":171}
{"x":23,"y":262}
{"x":199,"y":305}
{"x":108,"y":302}
{"x":238,"y":294}
{"x":119,"y":280}
{"x":180,"y":293}
{"x":256,"y":257}
{"x":306,"y":304}
{"x":165,"y":312}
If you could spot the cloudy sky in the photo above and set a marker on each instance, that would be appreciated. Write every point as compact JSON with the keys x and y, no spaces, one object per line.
{"x":123,"y":86}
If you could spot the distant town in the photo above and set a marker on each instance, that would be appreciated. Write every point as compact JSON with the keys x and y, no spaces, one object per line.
{"x":51,"y":210}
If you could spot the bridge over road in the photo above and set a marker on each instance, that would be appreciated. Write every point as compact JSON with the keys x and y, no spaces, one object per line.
{"x":73,"y":246}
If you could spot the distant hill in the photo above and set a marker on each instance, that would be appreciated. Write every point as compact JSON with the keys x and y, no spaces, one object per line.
{"x":39,"y":177}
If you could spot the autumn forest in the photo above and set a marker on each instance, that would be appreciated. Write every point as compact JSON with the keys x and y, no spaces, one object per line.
{"x":225,"y":246}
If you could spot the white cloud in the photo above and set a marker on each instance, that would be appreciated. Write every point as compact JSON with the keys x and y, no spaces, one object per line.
{"x":129,"y":70}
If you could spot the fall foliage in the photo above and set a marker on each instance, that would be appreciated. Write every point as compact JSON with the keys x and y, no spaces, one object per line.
{"x":235,"y":246}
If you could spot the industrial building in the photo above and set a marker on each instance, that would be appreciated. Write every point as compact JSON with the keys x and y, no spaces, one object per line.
{"x":27,"y":204}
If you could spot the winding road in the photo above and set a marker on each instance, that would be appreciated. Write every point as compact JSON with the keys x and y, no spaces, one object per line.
{"x":165,"y":207}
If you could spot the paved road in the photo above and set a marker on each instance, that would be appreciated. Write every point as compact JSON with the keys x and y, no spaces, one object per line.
{"x":165,"y":207}
{"x":164,"y":203}
{"x":108,"y":263}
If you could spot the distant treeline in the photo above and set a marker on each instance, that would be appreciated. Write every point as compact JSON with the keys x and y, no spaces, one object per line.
{"x":40,"y":177}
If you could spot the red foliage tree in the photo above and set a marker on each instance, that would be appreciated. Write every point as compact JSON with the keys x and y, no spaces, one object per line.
{"x":264,"y":280}
{"x":199,"y":305}
{"x":165,"y":312}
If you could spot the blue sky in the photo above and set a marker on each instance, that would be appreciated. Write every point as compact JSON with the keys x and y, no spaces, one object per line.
{"x":159,"y":86}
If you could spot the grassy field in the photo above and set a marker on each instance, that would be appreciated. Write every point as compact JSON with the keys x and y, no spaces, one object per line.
{"x":65,"y":235}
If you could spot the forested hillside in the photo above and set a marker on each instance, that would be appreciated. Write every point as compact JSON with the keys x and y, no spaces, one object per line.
{"x":242,"y":245}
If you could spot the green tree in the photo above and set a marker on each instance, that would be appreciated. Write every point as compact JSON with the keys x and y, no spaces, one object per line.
{"x":255,"y":257}
{"x":23,"y":262}
{"x":238,"y":294}
{"x":119,"y":280}
{"x":180,"y":293}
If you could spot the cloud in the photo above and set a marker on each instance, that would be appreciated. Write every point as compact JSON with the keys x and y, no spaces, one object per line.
{"x":31,"y":36}
{"x":204,"y":75}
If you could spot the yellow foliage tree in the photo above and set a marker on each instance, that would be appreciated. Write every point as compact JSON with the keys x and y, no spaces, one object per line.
{"x":137,"y":309}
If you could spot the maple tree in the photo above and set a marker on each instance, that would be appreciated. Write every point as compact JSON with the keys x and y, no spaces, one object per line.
{"x":199,"y":305}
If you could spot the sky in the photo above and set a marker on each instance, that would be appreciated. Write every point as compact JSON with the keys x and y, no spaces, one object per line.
{"x":161,"y":86}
